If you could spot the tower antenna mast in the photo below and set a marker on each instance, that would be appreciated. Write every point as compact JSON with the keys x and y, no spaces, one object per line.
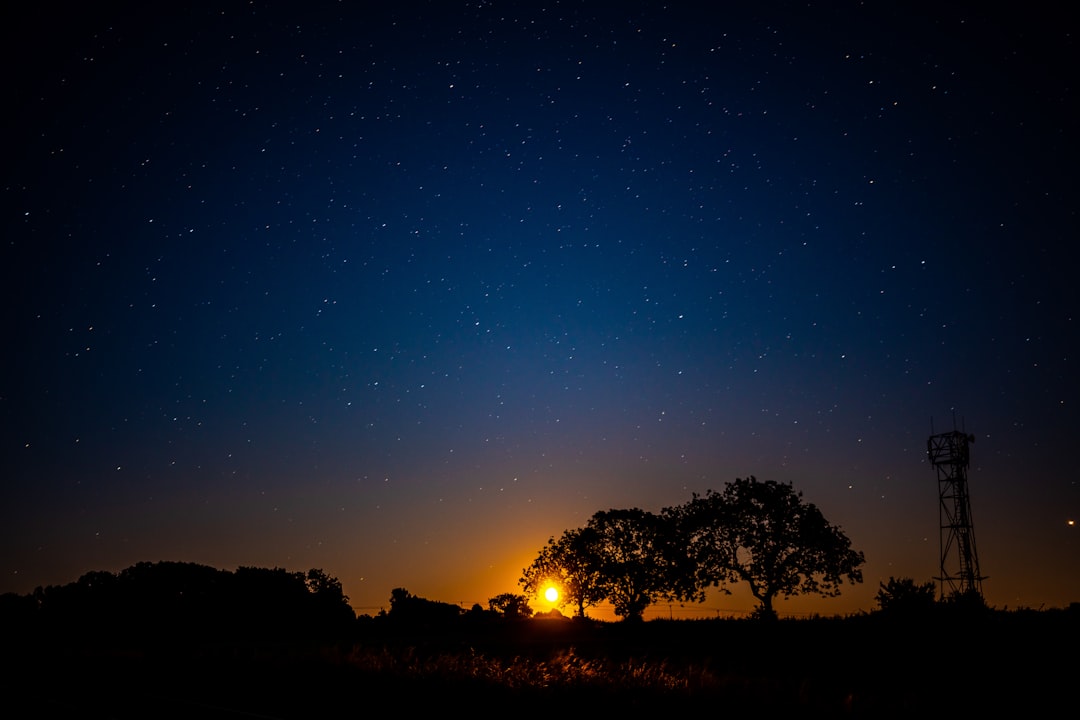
{"x":949,"y":453}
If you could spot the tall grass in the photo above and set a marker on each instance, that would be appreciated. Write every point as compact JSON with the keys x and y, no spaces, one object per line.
{"x":563,"y":669}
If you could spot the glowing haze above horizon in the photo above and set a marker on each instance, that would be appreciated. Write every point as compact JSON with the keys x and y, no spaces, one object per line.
{"x":401,"y":291}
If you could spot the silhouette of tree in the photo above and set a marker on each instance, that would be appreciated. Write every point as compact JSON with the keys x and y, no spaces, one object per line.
{"x":571,"y":563}
{"x":325,"y":586}
{"x":168,"y":602}
{"x":329,"y":601}
{"x":18,"y":618}
{"x":763,"y":533}
{"x":268,"y":603}
{"x":903,"y":596}
{"x":632,"y":558}
{"x":411,"y":610}
{"x":153,"y":604}
{"x":511,"y":606}
{"x":628,"y":557}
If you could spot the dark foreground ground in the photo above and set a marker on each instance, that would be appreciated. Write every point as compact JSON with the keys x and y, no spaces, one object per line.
{"x":853,"y":667}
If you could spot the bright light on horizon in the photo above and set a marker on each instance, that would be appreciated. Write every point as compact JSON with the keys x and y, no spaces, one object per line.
{"x":551,"y":594}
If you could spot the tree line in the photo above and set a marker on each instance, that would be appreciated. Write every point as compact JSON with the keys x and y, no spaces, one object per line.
{"x":761,"y":533}
{"x":179,"y":602}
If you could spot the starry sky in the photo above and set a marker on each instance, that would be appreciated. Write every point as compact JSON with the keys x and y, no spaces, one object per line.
{"x":401,"y":290}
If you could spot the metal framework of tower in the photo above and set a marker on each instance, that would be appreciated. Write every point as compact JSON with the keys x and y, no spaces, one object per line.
{"x":960,"y":576}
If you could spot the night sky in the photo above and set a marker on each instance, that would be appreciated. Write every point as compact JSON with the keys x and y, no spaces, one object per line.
{"x":401,"y":290}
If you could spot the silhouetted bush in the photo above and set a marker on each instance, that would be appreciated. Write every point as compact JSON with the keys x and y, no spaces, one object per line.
{"x":904,"y":598}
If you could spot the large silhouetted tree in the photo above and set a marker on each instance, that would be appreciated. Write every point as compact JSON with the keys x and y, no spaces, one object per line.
{"x":765,"y":534}
{"x":621,"y":556}
{"x":570,"y":563}
{"x":633,"y":560}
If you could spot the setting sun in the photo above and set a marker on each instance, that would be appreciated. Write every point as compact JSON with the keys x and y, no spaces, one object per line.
{"x":551,"y":594}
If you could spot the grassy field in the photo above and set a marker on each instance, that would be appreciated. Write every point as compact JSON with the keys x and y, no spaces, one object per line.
{"x":866,"y":666}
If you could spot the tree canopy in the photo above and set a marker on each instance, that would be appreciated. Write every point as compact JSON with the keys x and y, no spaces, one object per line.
{"x":632,"y":559}
{"x":569,"y":563}
{"x":765,"y":534}
{"x":760,"y":533}
{"x":182,"y":602}
{"x":620,"y":556}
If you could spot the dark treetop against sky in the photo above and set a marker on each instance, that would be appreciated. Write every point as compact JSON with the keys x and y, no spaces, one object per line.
{"x":401,"y":290}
